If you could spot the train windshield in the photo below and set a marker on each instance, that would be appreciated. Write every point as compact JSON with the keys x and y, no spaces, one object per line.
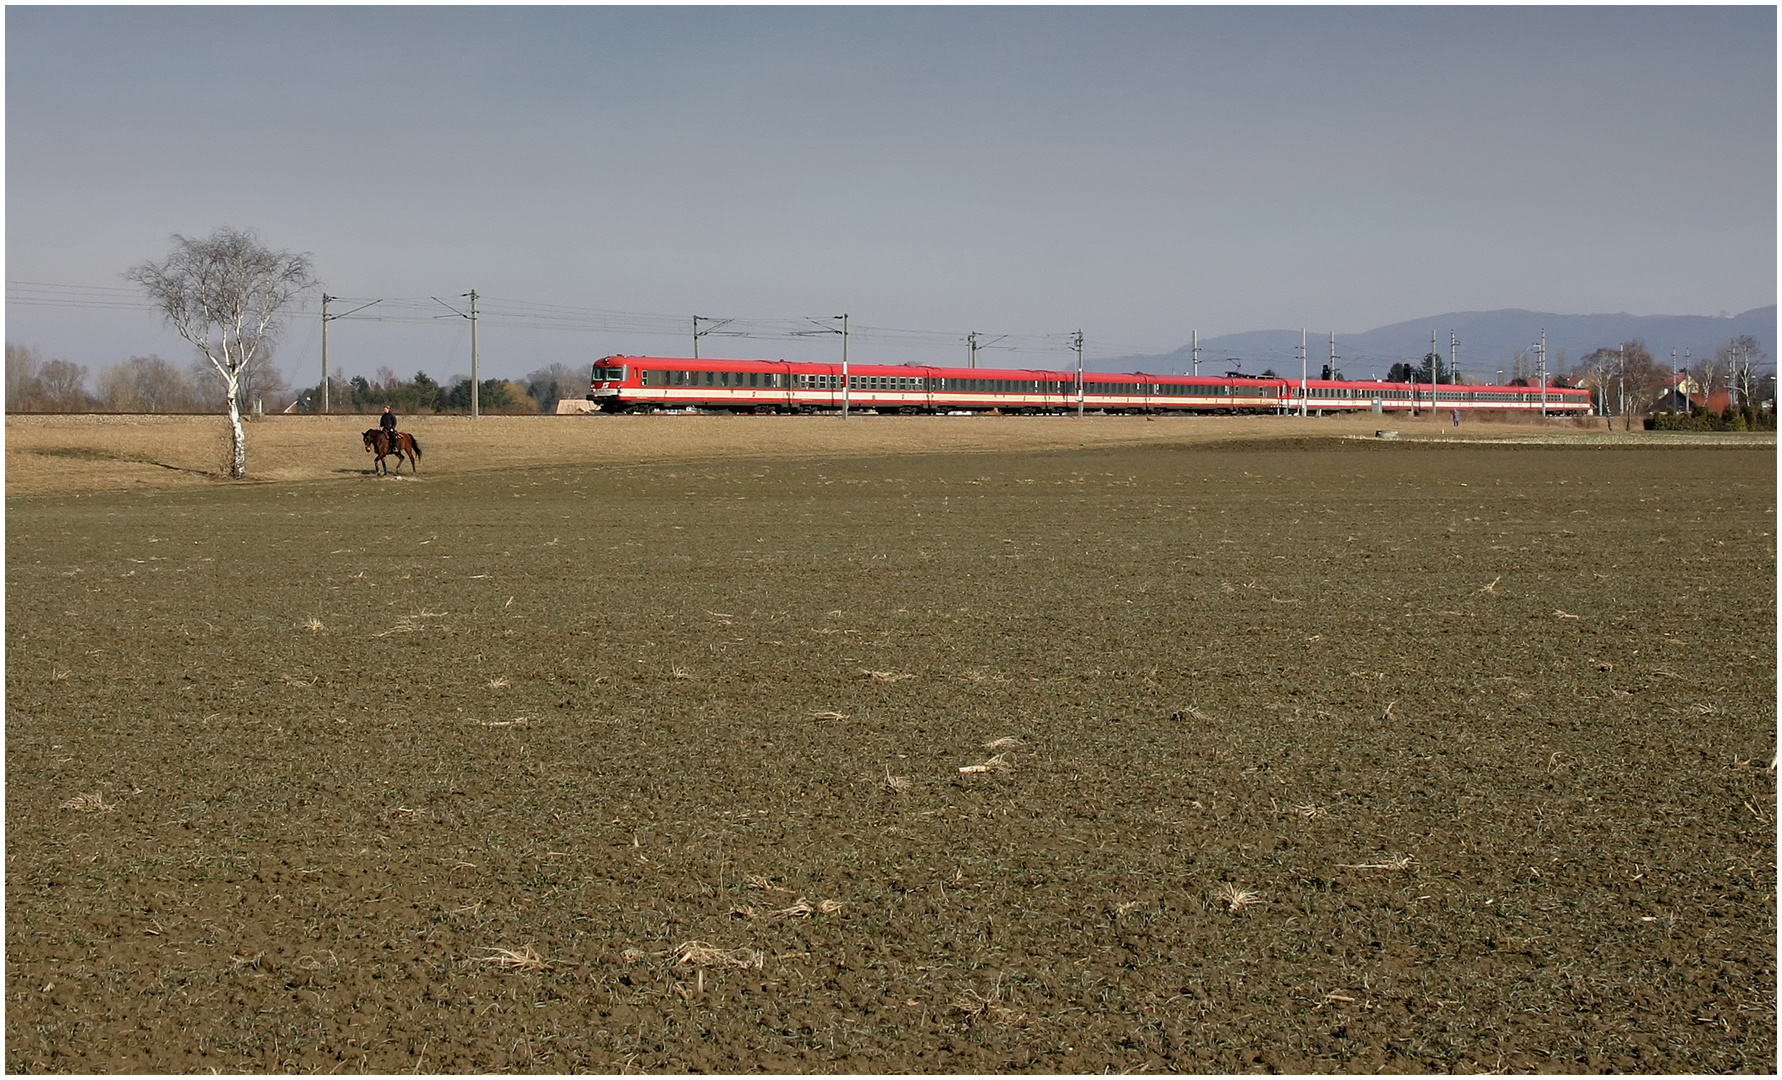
{"x":609,"y":374}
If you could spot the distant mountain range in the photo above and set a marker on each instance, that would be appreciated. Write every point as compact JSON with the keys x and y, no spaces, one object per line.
{"x":1488,"y":340}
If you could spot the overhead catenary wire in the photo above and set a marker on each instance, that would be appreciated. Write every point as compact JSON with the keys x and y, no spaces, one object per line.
{"x":534,"y":315}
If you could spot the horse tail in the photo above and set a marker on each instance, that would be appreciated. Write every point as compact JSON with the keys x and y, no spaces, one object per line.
{"x":415,"y":445}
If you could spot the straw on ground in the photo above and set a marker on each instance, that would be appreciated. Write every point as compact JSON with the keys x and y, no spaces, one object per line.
{"x":93,"y":802}
{"x":1236,"y":899}
{"x":525,"y":958}
{"x":704,"y":954}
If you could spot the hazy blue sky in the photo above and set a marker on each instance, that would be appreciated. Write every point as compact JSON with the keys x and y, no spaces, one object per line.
{"x":1134,"y":172}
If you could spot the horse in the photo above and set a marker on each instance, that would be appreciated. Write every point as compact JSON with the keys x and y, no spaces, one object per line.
{"x":401,"y":446}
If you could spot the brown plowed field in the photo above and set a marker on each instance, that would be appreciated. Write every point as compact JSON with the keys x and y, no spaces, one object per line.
{"x":626,"y":744}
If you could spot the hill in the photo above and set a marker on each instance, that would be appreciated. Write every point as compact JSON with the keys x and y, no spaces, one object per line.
{"x":1488,"y":340}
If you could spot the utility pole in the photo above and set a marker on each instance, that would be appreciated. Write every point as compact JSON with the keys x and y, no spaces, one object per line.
{"x":475,"y":398}
{"x":325,"y":299}
{"x":1542,"y":353}
{"x":1334,"y":373}
{"x":1302,"y":371}
{"x":326,"y":319}
{"x":973,"y":342}
{"x":1434,"y":358}
{"x":1196,"y":352}
{"x":844,"y":336}
{"x":1621,"y":381}
{"x":698,"y":333}
{"x":1077,"y":342}
{"x":1453,"y":358}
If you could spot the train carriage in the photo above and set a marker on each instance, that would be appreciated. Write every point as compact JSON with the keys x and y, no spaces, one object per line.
{"x":643,"y":383}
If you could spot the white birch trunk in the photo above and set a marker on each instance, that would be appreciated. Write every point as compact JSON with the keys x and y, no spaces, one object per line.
{"x":237,"y":437}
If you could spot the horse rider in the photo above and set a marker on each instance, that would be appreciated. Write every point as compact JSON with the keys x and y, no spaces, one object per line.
{"x":388,"y":423}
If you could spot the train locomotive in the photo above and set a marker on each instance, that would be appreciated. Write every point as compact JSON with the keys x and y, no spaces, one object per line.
{"x":651,"y":383}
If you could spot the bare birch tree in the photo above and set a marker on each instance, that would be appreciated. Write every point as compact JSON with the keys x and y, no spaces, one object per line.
{"x":1709,"y":375}
{"x":223,"y":294}
{"x":1739,"y":358}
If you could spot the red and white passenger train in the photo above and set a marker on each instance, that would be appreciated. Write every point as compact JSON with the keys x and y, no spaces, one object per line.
{"x":645,"y":383}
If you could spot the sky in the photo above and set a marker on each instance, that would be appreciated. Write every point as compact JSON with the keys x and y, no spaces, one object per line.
{"x":601,"y":175}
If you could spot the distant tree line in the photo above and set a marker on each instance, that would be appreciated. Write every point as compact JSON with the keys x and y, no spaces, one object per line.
{"x":152,"y":384}
{"x":538,"y":392}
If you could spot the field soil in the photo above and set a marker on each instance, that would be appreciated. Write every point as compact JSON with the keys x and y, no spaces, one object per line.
{"x":932,"y":745}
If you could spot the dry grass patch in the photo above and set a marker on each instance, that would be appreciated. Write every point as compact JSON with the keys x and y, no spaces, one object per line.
{"x":1007,"y":742}
{"x":525,"y":958}
{"x":703,"y":954}
{"x":898,"y":785}
{"x":128,"y":451}
{"x":997,"y":764}
{"x":886,"y":676}
{"x":1396,"y":862}
{"x":92,"y":802}
{"x":409,"y":624}
{"x":978,"y":676}
{"x":989,"y":1007}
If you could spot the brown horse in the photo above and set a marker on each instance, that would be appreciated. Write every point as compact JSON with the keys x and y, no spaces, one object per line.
{"x":400,"y":446}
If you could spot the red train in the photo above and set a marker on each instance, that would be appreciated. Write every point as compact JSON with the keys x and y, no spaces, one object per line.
{"x":646,"y":383}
